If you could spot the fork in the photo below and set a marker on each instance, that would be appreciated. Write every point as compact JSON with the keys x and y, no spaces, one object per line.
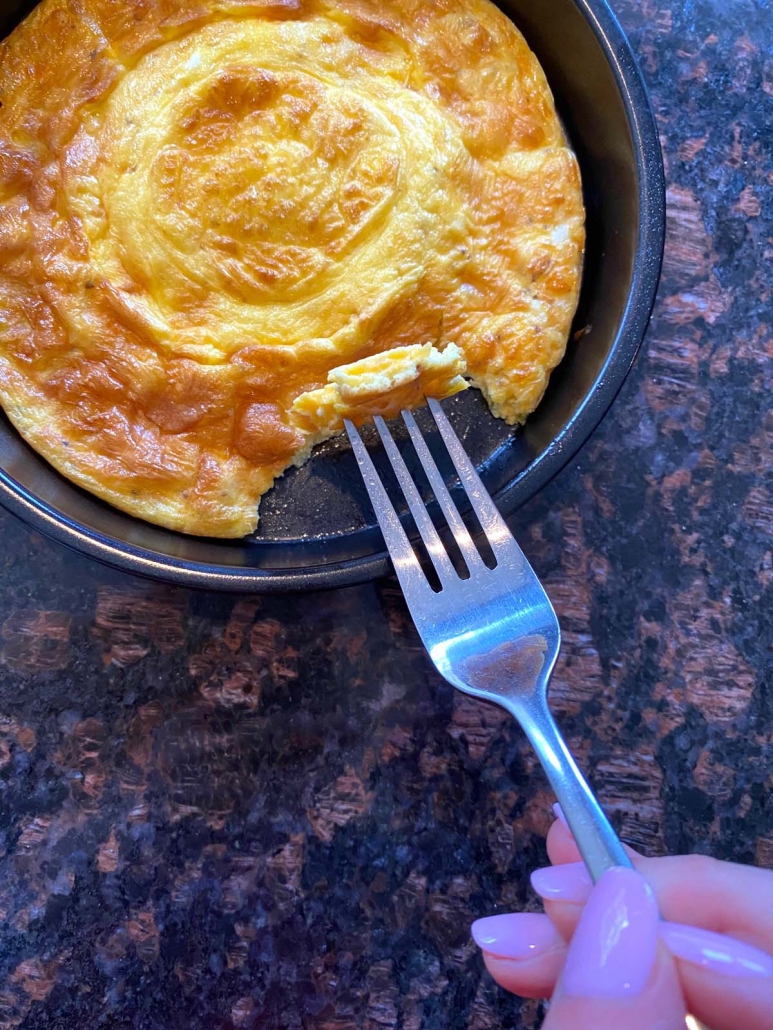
{"x":493,"y":635}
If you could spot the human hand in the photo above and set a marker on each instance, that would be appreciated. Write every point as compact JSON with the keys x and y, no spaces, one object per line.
{"x":608,"y":960}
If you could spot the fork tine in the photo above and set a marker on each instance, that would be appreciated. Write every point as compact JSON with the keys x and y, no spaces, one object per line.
{"x":437,"y":552}
{"x":444,"y":499}
{"x":404,"y":559}
{"x":492,"y":523}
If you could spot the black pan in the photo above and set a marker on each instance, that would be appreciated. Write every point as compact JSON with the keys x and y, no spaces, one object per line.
{"x":316,"y":527}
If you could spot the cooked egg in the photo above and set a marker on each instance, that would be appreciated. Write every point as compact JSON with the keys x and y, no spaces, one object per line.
{"x":226,"y":226}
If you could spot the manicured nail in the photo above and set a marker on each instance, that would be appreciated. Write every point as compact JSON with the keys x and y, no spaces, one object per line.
{"x":517,"y":935}
{"x":559,"y":813}
{"x":715,"y":951}
{"x":613,"y":950}
{"x":568,"y":882}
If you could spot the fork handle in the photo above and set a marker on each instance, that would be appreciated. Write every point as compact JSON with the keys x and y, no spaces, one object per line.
{"x":598,"y":843}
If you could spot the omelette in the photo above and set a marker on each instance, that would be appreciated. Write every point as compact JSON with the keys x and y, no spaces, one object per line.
{"x":228,"y":225}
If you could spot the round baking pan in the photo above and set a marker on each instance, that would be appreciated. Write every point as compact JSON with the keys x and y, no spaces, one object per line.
{"x":317,"y":528}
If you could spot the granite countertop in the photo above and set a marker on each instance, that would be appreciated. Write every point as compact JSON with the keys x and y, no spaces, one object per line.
{"x":270,"y":812}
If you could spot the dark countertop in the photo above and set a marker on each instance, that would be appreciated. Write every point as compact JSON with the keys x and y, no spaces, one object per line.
{"x":271,"y":813}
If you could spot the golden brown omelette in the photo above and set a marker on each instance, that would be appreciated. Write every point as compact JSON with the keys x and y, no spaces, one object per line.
{"x":225,"y":225}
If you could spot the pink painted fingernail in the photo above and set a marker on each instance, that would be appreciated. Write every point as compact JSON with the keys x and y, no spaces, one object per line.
{"x":559,"y":813}
{"x":613,"y":950}
{"x":568,"y":882}
{"x":517,"y":935}
{"x":716,"y":952}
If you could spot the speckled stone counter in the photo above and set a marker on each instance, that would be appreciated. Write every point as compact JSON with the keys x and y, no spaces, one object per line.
{"x":271,"y":813}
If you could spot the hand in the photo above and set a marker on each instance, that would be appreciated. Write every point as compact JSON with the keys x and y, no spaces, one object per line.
{"x":608,"y":961}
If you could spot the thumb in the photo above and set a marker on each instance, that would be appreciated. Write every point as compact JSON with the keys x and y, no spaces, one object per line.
{"x":616,"y":974}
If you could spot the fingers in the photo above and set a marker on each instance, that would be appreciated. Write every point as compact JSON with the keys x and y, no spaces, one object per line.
{"x":656,"y":1008}
{"x":616,"y":973}
{"x":567,"y":883}
{"x":720,"y":896}
{"x":726,"y":984}
{"x":522,"y":951}
{"x":525,"y":954}
{"x":719,"y":993}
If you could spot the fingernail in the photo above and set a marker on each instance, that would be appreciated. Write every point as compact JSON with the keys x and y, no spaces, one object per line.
{"x":613,"y":950}
{"x":517,"y":935}
{"x":559,"y":813}
{"x":715,"y":951}
{"x":568,"y":882}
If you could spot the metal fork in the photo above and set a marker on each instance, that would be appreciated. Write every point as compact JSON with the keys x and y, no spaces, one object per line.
{"x":494,"y":635}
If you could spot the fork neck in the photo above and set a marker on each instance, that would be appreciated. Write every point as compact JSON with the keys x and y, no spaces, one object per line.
{"x":596,"y":840}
